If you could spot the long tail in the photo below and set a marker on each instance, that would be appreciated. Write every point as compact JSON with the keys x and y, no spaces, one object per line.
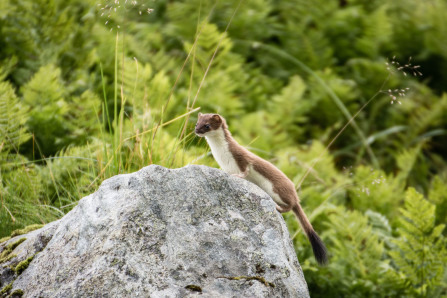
{"x":320,"y":251}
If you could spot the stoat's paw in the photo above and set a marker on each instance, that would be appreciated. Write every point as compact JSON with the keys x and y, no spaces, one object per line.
{"x":238,"y":175}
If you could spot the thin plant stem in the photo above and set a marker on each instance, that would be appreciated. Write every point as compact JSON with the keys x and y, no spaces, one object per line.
{"x":215,"y":52}
{"x":309,"y":169}
{"x":115,"y":104}
{"x":137,"y":135}
{"x":210,"y":63}
{"x":328,"y":90}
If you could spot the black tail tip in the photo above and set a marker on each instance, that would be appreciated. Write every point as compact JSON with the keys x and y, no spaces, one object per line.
{"x":320,"y":251}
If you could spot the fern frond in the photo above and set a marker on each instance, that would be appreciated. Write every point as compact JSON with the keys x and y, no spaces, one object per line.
{"x":380,"y":224}
{"x":223,"y":79}
{"x":358,"y":254}
{"x":421,"y":253}
{"x":12,"y":120}
{"x":438,"y":196}
{"x":136,"y":77}
{"x":405,"y":161}
{"x":6,"y":66}
{"x":426,"y":117}
{"x":373,"y":190}
{"x":46,"y":94}
{"x":377,"y":31}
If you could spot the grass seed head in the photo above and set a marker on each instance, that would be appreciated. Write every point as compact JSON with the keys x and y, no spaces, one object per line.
{"x":116,"y":12}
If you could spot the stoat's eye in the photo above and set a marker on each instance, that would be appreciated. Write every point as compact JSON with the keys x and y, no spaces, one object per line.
{"x":207,"y":126}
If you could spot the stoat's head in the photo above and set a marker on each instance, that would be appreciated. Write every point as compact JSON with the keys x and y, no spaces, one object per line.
{"x":208,"y":124}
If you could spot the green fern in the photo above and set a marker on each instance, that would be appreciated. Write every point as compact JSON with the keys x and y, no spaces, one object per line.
{"x":406,"y":160}
{"x":288,"y":111}
{"x":421,"y":255}
{"x":6,"y":67}
{"x":327,"y":112}
{"x":438,"y":30}
{"x":357,"y":261}
{"x":377,"y":32}
{"x":380,"y":225}
{"x":46,"y":94}
{"x":84,"y":122}
{"x":438,"y":196}
{"x":12,"y":120}
{"x":252,"y":17}
{"x":222,"y":80}
{"x":136,"y":77}
{"x":44,"y":32}
{"x":373,"y":189}
{"x":301,"y":33}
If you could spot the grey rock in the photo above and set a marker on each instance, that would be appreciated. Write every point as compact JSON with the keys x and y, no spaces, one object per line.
{"x":188,"y":232}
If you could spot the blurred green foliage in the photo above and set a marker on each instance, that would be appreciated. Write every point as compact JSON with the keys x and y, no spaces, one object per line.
{"x":87,"y":92}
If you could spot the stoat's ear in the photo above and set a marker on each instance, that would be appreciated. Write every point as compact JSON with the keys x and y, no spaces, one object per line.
{"x":217,"y":118}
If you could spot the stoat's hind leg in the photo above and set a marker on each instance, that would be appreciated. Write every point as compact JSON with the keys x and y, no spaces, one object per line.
{"x":283,"y":209}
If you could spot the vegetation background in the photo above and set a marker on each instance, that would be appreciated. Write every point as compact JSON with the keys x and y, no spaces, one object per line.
{"x":93,"y":88}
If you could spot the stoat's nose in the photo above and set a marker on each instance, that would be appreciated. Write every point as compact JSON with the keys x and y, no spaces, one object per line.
{"x":197,"y":131}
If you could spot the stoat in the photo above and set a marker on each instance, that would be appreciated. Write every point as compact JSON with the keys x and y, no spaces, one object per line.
{"x":236,"y":160}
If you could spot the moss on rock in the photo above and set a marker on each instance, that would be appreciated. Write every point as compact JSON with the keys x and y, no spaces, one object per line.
{"x":7,"y":258}
{"x":26,"y":230}
{"x":16,"y":293}
{"x":6,"y":253}
{"x":23,"y":265}
{"x":5,"y":289}
{"x":23,"y":231}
